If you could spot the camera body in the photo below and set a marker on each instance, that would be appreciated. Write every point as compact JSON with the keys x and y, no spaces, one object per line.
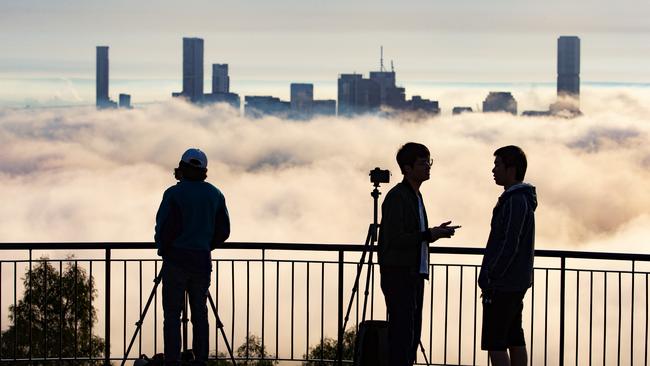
{"x":378,"y":176}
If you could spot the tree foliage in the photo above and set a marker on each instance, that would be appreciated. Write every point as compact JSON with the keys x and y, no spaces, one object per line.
{"x":57,"y":313}
{"x":327,"y":350}
{"x":251,"y":351}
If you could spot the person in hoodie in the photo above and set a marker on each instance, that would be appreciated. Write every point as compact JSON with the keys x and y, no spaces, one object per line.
{"x":403,"y":250}
{"x":507,"y":267}
{"x":191,"y":221}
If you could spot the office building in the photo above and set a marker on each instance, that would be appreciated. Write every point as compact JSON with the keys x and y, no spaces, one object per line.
{"x":324,"y":107}
{"x":302,"y":100}
{"x":568,"y":66}
{"x":357,"y":95}
{"x":500,"y":102}
{"x":260,"y":106}
{"x":420,"y":105}
{"x":231,"y":99}
{"x":460,"y":110}
{"x":125,"y":101}
{"x":102,"y":100}
{"x":220,"y":78}
{"x":192,"y":70}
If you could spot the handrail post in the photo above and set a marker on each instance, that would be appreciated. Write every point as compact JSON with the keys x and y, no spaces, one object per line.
{"x":341,"y":333}
{"x":562,"y":300}
{"x":107,"y":306}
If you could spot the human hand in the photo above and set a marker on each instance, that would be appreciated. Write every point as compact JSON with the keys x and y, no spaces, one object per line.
{"x":444,"y":230}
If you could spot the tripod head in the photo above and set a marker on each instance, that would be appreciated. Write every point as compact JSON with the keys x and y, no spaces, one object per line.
{"x":377,"y":176}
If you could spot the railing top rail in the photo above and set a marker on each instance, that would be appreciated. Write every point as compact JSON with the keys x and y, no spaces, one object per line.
{"x":333,"y":247}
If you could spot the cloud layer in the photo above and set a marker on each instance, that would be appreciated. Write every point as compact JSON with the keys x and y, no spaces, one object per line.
{"x":86,"y":175}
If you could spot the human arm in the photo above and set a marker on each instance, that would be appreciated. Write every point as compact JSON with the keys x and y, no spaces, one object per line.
{"x":221,"y":225}
{"x":514,"y":218}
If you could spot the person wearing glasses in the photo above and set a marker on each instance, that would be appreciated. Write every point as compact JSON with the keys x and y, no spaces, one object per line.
{"x":403,"y":250}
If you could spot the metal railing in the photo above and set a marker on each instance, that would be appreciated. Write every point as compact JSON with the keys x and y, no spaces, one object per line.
{"x":284,"y":303}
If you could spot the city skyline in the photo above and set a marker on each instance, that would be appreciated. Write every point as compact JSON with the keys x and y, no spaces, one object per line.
{"x":293,"y":41}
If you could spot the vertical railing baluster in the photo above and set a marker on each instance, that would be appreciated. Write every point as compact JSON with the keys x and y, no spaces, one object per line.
{"x":277,"y":309}
{"x":322,"y":309}
{"x":248,"y":307}
{"x":432,"y":271}
{"x":15,"y":317}
{"x":124,"y":311}
{"x":307,"y":315}
{"x":263,"y":298}
{"x":605,"y":318}
{"x":647,"y":314}
{"x":632,"y":318}
{"x":90,"y":308}
{"x":76,"y":298}
{"x":155,"y":310}
{"x":446,"y":311}
{"x":292,"y":303}
{"x":232,"y":318}
{"x":620,"y":305}
{"x":107,"y":307}
{"x":460,"y":313}
{"x":577,"y":314}
{"x":30,"y":305}
{"x":591,"y":312}
{"x":140,"y":307}
{"x":546,"y":317}
{"x":475,"y":313}
{"x":60,"y":309}
{"x":46,"y":279}
{"x":340,"y":333}
{"x":562,"y":304}
{"x":532,"y":318}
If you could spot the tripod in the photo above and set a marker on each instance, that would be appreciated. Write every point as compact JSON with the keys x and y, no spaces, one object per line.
{"x":368,"y":247}
{"x":146,"y":308}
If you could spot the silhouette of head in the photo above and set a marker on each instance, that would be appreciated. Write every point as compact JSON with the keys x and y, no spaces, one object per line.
{"x":414,"y":159}
{"x":509,"y":165}
{"x":193,"y":166}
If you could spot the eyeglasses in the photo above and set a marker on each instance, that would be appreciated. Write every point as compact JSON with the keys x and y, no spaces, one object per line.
{"x":424,"y":162}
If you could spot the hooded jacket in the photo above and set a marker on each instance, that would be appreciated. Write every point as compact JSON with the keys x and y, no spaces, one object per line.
{"x":509,"y":253}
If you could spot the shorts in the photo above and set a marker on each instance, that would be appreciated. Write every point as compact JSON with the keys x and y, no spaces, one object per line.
{"x":502,"y":320}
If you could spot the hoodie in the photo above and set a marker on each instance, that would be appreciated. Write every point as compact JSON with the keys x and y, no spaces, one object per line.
{"x":509,"y":253}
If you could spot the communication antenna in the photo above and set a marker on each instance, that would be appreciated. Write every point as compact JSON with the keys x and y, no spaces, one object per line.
{"x":381,"y":58}
{"x":392,"y":68}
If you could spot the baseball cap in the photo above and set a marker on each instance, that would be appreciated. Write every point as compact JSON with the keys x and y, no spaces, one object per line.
{"x":195,"y":158}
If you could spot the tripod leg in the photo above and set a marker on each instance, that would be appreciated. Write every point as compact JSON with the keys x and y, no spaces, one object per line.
{"x":142,"y":316}
{"x":424,"y":353}
{"x":220,"y":326}
{"x":355,"y":288}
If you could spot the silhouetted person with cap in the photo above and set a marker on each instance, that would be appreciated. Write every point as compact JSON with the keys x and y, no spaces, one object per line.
{"x":404,"y":238}
{"x":191,"y":221}
{"x":507,"y":267}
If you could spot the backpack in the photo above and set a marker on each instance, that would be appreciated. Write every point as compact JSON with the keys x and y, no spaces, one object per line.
{"x":371,"y":344}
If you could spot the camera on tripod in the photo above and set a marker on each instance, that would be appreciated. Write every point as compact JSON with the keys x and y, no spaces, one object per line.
{"x":378,"y":176}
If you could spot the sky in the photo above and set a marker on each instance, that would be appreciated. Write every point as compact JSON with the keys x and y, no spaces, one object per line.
{"x":48,"y":47}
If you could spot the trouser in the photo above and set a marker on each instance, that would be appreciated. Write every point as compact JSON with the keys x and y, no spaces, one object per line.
{"x":403,"y":291}
{"x":176,"y":281}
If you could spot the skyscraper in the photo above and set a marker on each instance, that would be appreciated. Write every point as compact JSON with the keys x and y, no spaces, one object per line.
{"x":500,"y":102}
{"x":220,"y":78}
{"x":302,"y":100}
{"x":357,"y":95}
{"x":102,"y":99}
{"x":568,"y":66}
{"x":193,"y":69}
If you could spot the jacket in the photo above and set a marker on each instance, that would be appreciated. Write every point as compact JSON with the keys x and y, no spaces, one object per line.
{"x":400,"y":237}
{"x":508,"y":260}
{"x":191,"y":221}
